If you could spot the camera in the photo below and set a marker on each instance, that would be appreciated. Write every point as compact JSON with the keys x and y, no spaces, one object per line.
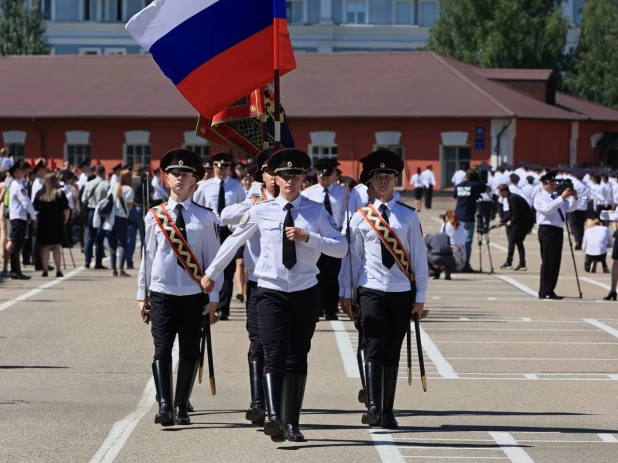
{"x":563,"y":184}
{"x":442,"y":217}
{"x":483,"y":216}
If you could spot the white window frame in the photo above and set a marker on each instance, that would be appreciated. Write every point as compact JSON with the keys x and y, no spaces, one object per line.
{"x":86,"y":51}
{"x":85,"y":156}
{"x":52,"y":13}
{"x":395,"y":149}
{"x":115,"y":51}
{"x":321,"y":147}
{"x":8,"y":147}
{"x":125,"y":154}
{"x":345,"y":12}
{"x":412,"y":12}
{"x":201,"y":149}
{"x":420,"y":7}
{"x":444,"y":181}
{"x":305,"y":13}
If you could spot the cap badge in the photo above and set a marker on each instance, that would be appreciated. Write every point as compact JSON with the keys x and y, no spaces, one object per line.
{"x":181,"y":162}
{"x":382,"y":165}
{"x":289,"y":164}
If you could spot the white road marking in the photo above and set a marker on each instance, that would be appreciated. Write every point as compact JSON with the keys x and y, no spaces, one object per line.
{"x":607,"y":437}
{"x":456,"y":458}
{"x":435,"y":298}
{"x":35,"y":291}
{"x":613,"y":377}
{"x":519,"y":285}
{"x":526,"y":319}
{"x":444,"y":368}
{"x":603,"y":326}
{"x":464,"y":319}
{"x":577,"y":343}
{"x":594,"y":282}
{"x":386,"y":447}
{"x":527,"y":358}
{"x":122,"y":430}
{"x":531,"y":376}
{"x":491,"y":298}
{"x":497,"y":246}
{"x":511,"y":448}
{"x":345,"y":349}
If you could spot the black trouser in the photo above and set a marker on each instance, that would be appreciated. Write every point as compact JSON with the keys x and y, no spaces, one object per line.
{"x":328,"y":282}
{"x":516,"y":236}
{"x":384,"y":317}
{"x":18,"y":235}
{"x":590,"y":259}
{"x":428,"y":196}
{"x":225,"y":295}
{"x":173,"y":315}
{"x":577,"y":220}
{"x":287,"y":323}
{"x":550,"y":238}
{"x":256,"y":351}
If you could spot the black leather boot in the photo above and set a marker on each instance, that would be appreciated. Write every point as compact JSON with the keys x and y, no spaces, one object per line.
{"x":292,"y":404}
{"x":373,"y":415}
{"x":390,"y":386}
{"x":273,"y":389}
{"x":184,"y":386}
{"x":162,"y":373}
{"x":362,"y":393}
{"x":256,"y":412}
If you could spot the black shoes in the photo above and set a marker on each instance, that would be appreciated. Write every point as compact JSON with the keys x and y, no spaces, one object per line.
{"x":273,"y":389}
{"x":240,"y":298}
{"x":100,"y":267}
{"x":507,"y":266}
{"x":162,"y":373}
{"x":552,"y":297}
{"x":44,"y":274}
{"x":388,"y":402}
{"x":373,"y":415}
{"x":20,"y":276}
{"x":360,"y":358}
{"x":611,"y":296}
{"x":256,"y":412}
{"x":222,"y":315}
{"x":184,"y":387}
{"x":293,"y":395}
{"x":59,"y":274}
{"x":521,"y":268}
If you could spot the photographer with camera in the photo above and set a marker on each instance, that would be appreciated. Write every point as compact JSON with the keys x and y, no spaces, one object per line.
{"x":552,"y":204}
{"x":519,"y":221}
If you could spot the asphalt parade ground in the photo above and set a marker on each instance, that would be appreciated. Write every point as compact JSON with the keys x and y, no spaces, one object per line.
{"x":510,"y":377}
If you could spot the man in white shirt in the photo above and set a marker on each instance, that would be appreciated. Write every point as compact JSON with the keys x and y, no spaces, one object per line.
{"x":328,"y":192}
{"x":460,"y":175}
{"x":20,"y":212}
{"x":84,"y":173}
{"x":5,"y":161}
{"x":551,"y":210}
{"x":94,"y":192}
{"x":429,"y":180}
{"x":294,"y":232}
{"x":217,"y":193}
{"x":577,"y":218}
{"x":159,"y":193}
{"x":115,"y":175}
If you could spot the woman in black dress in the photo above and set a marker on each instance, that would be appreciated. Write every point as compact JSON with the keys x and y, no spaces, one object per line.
{"x":53,"y":213}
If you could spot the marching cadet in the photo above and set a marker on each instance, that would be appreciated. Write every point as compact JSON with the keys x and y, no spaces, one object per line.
{"x":232,"y":215}
{"x":181,"y":240}
{"x":328,"y":192}
{"x":20,"y":209}
{"x":115,"y":175}
{"x":293,"y":232}
{"x":389,"y":266}
{"x":216,"y":193}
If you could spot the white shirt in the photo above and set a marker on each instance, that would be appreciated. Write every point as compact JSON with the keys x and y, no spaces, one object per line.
{"x":428,"y":178}
{"x":417,"y":181}
{"x":596,"y":240}
{"x":208,"y":193}
{"x":114,"y":180}
{"x":336,"y":194}
{"x":20,"y":205}
{"x":231,"y":216}
{"x":267,"y":218}
{"x":37,"y":185}
{"x":83,"y":179}
{"x":6,"y":163}
{"x":604,"y":192}
{"x":547,"y":209}
{"x":366,"y":251}
{"x":127,"y":196}
{"x":158,"y":192}
{"x":516,"y":190}
{"x":528,"y":193}
{"x":160,"y":265}
{"x":584,"y":194}
{"x":458,"y":237}
{"x":68,"y":192}
{"x":458,"y":177}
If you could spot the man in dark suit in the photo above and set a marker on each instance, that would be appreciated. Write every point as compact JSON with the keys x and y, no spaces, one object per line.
{"x":519,"y":220}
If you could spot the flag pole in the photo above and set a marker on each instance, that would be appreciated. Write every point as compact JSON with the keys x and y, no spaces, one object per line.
{"x":277,"y":110}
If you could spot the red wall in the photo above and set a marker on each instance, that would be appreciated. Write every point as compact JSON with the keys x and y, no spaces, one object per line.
{"x":542,"y":142}
{"x":585,"y":153}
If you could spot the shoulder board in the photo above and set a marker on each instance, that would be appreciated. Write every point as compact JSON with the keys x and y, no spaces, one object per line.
{"x":405,"y":205}
{"x":200,"y":206}
{"x":266,"y":201}
{"x":309,"y":200}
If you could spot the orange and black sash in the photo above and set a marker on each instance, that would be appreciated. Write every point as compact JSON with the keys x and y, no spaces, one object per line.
{"x":177,"y":242}
{"x":259,"y":198}
{"x":388,"y":238}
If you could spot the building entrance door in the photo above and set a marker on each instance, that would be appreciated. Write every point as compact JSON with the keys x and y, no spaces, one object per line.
{"x":452,"y":158}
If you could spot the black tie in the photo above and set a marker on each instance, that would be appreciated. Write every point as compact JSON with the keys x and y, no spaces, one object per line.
{"x":327,"y":205}
{"x":289,"y":247}
{"x":180,"y":225}
{"x":387,"y":258}
{"x":221,"y":203}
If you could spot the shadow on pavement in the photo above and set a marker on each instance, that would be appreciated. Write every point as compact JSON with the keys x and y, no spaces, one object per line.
{"x":28,"y":367}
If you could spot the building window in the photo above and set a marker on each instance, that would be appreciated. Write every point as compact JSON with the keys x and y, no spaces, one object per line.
{"x":115,"y":51}
{"x":452,"y":158}
{"x":200,"y":150}
{"x":295,"y":10}
{"x":323,"y":151}
{"x":76,"y":153}
{"x":356,"y":12}
{"x":137,"y":154}
{"x":89,"y":51}
{"x":428,"y":13}
{"x":88,"y":10}
{"x":46,"y":8}
{"x":398,"y":149}
{"x":113,"y":11}
{"x":404,"y":12}
{"x":17,"y":150}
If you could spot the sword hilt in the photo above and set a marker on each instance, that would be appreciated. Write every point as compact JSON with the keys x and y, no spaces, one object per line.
{"x":424,"y":382}
{"x":200,"y":374}
{"x":410,"y":376}
{"x":213,"y":386}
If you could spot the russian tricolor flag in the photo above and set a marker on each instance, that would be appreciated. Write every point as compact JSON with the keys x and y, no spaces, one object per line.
{"x":216,"y":51}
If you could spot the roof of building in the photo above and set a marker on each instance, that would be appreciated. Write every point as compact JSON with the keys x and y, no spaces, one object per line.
{"x":325,"y":85}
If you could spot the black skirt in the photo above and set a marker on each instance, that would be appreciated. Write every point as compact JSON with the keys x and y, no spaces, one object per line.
{"x":615,"y":250}
{"x":418,"y":193}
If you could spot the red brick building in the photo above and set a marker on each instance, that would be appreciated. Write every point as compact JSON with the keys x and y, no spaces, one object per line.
{"x":431,"y":109}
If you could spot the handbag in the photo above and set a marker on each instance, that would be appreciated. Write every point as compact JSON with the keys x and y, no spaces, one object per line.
{"x":106,"y":208}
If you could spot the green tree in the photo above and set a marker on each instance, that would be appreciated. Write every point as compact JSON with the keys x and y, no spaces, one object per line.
{"x":502,"y":33}
{"x":595,"y":73}
{"x":22,"y":28}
